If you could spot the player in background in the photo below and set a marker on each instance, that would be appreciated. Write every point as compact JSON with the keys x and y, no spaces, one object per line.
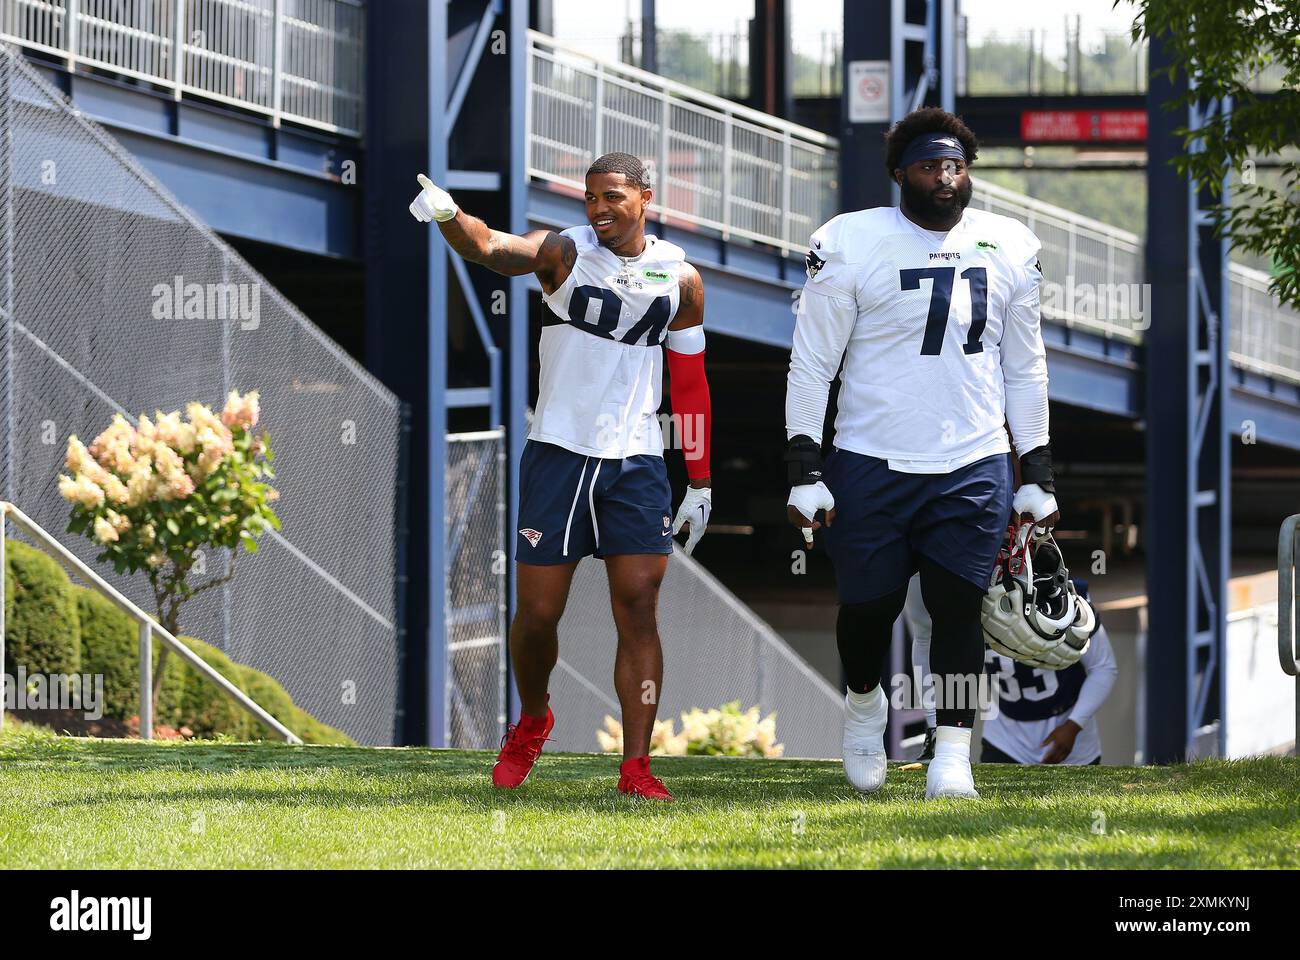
{"x":934,"y":309}
{"x":920,"y":628}
{"x":1027,"y":725}
{"x":592,"y":478}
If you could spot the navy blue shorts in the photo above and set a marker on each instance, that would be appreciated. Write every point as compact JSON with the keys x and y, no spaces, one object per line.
{"x":884,"y":519}
{"x":572,"y":506}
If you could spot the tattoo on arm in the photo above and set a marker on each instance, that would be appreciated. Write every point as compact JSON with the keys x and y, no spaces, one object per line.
{"x":554,"y":254}
{"x":509,"y":254}
{"x":692,"y":288}
{"x":557,"y":251}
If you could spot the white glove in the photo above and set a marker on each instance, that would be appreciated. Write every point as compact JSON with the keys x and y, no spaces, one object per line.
{"x":1033,"y":500}
{"x":433,"y":203}
{"x":808,"y":498}
{"x":695,"y":509}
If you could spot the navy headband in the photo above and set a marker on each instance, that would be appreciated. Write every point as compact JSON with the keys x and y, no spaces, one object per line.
{"x":931,"y":146}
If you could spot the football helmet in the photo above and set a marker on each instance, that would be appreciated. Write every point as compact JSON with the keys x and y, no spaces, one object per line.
{"x":1032,"y":612}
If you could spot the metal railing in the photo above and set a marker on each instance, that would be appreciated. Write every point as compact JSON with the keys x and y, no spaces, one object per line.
{"x":1288,"y":601}
{"x":298,"y":60}
{"x":148,"y":628}
{"x":715,"y":164}
{"x":1079,"y":254}
{"x":1107,"y":263}
{"x":1265,"y":335}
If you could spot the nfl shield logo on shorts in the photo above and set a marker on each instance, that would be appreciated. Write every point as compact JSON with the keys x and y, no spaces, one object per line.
{"x":531,"y":535}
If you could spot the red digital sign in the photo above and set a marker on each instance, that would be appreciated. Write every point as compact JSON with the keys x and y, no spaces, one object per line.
{"x":1083,"y":126}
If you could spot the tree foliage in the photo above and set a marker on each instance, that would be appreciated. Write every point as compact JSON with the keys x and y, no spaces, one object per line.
{"x":154,"y":496}
{"x":1223,"y":48}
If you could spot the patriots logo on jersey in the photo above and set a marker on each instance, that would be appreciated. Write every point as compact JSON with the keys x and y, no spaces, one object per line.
{"x":532,"y":536}
{"x":814,"y":264}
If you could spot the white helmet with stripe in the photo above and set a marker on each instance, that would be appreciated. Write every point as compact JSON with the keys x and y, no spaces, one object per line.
{"x":1032,"y":612}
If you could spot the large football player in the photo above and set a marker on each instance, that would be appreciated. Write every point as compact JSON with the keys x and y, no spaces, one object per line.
{"x":592,"y":479}
{"x":934,"y":310}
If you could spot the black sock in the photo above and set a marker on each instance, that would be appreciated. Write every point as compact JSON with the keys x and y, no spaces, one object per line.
{"x":956,"y":644}
{"x":863,"y":633}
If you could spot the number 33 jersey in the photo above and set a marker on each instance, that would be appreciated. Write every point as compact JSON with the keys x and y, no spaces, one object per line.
{"x":939,"y":333}
{"x":602,"y":364}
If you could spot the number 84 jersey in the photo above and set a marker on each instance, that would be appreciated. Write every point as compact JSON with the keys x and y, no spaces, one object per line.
{"x":601,"y":359}
{"x":937,"y":330}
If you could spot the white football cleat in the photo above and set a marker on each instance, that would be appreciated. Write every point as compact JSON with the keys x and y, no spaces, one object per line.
{"x":949,"y":773}
{"x":865,"y":716}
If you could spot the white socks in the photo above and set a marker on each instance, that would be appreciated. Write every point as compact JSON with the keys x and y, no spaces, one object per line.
{"x":865,"y":716}
{"x":949,"y":773}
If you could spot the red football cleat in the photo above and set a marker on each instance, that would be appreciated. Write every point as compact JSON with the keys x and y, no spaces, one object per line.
{"x":520,"y":748}
{"x":636,"y":780}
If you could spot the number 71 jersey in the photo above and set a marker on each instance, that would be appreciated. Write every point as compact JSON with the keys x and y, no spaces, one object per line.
{"x":601,"y":375}
{"x":936,"y":324}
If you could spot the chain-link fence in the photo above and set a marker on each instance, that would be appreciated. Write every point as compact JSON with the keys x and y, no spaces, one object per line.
{"x":715,"y":650}
{"x":116,"y":299}
{"x":477,"y":568}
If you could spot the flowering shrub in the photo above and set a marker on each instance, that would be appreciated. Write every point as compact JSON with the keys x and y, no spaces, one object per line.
{"x":727,"y":731}
{"x":153,"y":496}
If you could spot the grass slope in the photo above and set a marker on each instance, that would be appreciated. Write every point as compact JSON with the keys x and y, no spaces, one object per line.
{"x":68,"y":802}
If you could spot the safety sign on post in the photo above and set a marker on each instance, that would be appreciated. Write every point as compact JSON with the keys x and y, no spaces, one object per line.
{"x":869,"y":91}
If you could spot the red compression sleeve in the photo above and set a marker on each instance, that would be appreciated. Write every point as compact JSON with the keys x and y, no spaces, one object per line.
{"x":689,"y":391}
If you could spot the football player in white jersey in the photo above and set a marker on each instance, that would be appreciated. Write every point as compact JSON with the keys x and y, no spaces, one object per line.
{"x":934,"y":310}
{"x":592,"y":480}
{"x":1050,"y":716}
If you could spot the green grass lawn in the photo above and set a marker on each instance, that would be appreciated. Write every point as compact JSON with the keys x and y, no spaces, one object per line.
{"x":68,"y":802}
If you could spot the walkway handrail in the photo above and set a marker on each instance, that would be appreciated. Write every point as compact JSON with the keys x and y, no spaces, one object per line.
{"x":302,"y":61}
{"x":1288,"y":601}
{"x":714,"y":163}
{"x":148,"y":627}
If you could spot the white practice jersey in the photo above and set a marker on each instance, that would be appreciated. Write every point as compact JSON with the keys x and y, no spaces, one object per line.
{"x":939,"y":333}
{"x":1032,"y":702}
{"x":602,"y":365}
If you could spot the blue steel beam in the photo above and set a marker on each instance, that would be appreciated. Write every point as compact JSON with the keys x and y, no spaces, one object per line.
{"x":240,"y":174}
{"x":436,"y":404}
{"x":476,"y":47}
{"x":517,"y":426}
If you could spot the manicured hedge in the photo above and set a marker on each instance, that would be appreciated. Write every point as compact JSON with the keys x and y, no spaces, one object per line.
{"x":110,"y":646}
{"x":41,"y":629}
{"x":266,"y":691}
{"x":55,"y":626}
{"x":205,"y":708}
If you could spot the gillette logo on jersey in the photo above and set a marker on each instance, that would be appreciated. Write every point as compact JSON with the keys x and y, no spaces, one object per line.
{"x":601,"y":364}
